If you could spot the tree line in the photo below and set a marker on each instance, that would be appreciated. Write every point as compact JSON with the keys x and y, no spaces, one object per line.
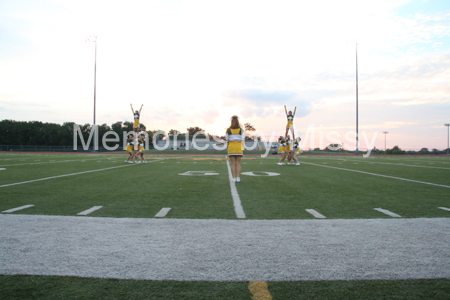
{"x":36,"y":133}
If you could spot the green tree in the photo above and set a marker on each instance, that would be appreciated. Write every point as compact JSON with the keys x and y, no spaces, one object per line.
{"x":249,"y":128}
{"x":424,"y":151}
{"x":192,"y":130}
{"x":395,"y":150}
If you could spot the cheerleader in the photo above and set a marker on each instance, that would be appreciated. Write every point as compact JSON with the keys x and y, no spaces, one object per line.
{"x":136,"y":115}
{"x":282,"y":150}
{"x":289,"y":146}
{"x":290,"y":121}
{"x":129,"y":149}
{"x":142,"y":149}
{"x":296,"y":152}
{"x":235,"y":144}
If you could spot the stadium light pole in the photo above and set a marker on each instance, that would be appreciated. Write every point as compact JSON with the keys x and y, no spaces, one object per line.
{"x":357,"y":139}
{"x":94,"y":39}
{"x":385,"y":132}
{"x":447,"y":124}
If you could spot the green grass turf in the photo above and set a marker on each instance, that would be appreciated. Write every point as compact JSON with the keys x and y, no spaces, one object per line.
{"x":140,"y":191}
{"x":51,"y":287}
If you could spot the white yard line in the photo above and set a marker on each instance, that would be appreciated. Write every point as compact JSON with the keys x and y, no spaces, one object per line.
{"x":380,"y":175}
{"x":236,"y":200}
{"x":388,"y":212}
{"x":316,"y":214}
{"x":59,"y":176}
{"x":17,"y":208}
{"x":399,"y":164}
{"x":163,"y":212}
{"x":65,"y":175}
{"x":444,"y":208}
{"x":88,"y":211}
{"x":44,"y":162}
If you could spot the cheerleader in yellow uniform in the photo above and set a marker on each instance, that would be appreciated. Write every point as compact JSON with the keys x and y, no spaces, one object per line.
{"x":136,"y":115}
{"x":289,"y":146}
{"x":235,"y":144}
{"x":142,"y":149}
{"x":297,"y":151}
{"x":290,"y":122}
{"x":281,"y":150}
{"x":129,"y":149}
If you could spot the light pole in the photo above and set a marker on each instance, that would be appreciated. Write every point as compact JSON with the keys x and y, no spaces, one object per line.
{"x":94,"y":39}
{"x":385,"y":132}
{"x":356,"y":46}
{"x":447,"y":124}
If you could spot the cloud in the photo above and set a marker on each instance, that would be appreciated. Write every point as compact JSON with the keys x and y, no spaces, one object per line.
{"x":265,"y":102}
{"x":261,"y":96}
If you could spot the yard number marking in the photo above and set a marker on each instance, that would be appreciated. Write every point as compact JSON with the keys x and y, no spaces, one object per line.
{"x":199,"y":173}
{"x":259,"y":173}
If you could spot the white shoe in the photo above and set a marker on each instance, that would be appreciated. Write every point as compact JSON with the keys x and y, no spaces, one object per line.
{"x":234,"y":179}
{"x":297,"y":164}
{"x":281,"y":164}
{"x":289,"y":163}
{"x":129,"y":161}
{"x":238,"y":179}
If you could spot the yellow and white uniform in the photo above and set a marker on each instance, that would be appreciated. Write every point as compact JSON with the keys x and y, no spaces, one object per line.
{"x":290,"y":118}
{"x":288,"y":145}
{"x":235,"y":141}
{"x":136,"y":123}
{"x":136,"y":144}
{"x":297,"y":150}
{"x":130,"y":144}
{"x":141,"y":146}
{"x":282,"y":146}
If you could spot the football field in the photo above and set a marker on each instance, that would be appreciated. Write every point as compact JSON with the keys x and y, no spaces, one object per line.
{"x":177,"y":226}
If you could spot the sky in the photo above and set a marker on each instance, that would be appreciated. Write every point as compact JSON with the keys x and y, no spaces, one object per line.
{"x":197,"y":63}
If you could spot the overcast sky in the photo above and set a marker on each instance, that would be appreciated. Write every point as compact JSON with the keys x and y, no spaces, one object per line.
{"x":196,"y":63}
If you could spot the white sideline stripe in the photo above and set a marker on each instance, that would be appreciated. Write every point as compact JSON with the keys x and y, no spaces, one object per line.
{"x":91,"y":171}
{"x":236,"y":200}
{"x":405,"y":165}
{"x":17,"y":208}
{"x":383,"y":163}
{"x":316,"y":214}
{"x":387,"y":212}
{"x":88,"y":211}
{"x":44,"y":162}
{"x":444,"y":208}
{"x":386,"y":176}
{"x":163,"y":212}
{"x":65,"y":175}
